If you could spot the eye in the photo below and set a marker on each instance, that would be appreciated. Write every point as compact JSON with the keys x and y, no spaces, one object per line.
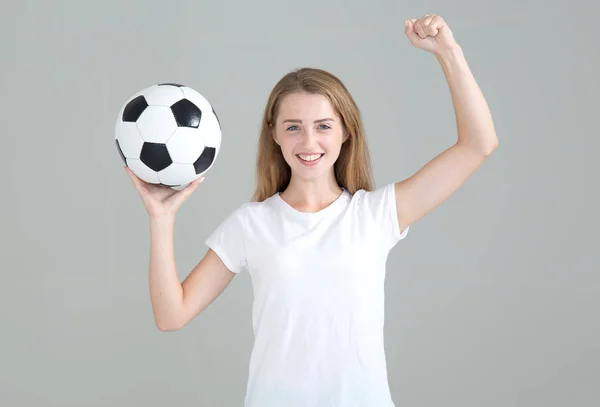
{"x":291,"y":128}
{"x":325,"y":126}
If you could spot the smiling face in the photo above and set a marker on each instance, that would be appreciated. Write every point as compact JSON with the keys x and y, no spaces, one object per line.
{"x":311,"y":95}
{"x":310,"y":134}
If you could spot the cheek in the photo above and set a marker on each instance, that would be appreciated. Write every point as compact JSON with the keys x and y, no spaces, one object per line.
{"x":333,"y":145}
{"x":287,"y":147}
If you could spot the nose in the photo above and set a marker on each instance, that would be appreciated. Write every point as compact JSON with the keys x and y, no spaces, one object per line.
{"x":309,"y":137}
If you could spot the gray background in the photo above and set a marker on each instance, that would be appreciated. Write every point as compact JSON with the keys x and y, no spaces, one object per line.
{"x":493,"y":298}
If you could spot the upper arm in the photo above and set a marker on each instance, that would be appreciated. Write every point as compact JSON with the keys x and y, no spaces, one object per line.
{"x":435,"y":182}
{"x":225,"y":257}
{"x":203,"y":285}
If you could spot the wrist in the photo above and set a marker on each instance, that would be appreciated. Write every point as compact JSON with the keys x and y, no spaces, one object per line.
{"x":452,"y":61}
{"x":450,"y":55}
{"x":162,"y":220}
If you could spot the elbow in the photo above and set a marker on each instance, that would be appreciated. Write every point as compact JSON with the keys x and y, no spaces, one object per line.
{"x":491,"y":146}
{"x":482,"y":146}
{"x":168,"y":326}
{"x":486,"y":147}
{"x":489,"y":143}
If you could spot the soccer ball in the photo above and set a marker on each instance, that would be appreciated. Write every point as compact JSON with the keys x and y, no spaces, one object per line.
{"x":168,"y":134}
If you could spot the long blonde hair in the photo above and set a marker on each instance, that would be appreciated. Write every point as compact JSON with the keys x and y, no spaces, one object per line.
{"x":352,"y":169}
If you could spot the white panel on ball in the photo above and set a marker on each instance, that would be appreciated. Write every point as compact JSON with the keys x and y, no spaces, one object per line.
{"x":129,"y":138}
{"x":211,"y":130}
{"x":165,"y":95}
{"x":176,"y":174}
{"x":142,"y":171}
{"x":186,"y":145}
{"x":156,"y":124}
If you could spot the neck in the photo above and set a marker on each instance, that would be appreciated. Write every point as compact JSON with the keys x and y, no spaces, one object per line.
{"x":311,"y":195}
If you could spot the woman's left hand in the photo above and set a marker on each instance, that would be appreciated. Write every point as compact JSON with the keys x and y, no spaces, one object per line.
{"x":430,"y":33}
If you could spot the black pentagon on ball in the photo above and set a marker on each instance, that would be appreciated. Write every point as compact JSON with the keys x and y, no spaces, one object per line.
{"x":120,"y":151}
{"x":134,"y":108}
{"x":205,"y":160}
{"x":186,"y":113}
{"x":215,"y":113}
{"x":155,"y":156}
{"x":170,"y":84}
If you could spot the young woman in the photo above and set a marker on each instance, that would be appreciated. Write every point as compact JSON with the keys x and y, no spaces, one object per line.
{"x":316,"y":235}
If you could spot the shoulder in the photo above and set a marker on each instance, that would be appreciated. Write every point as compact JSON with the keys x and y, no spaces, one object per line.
{"x":381,"y":198}
{"x":251,"y":209}
{"x":378,"y":209}
{"x":261,"y":207}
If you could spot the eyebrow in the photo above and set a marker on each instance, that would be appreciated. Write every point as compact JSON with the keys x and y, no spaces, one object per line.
{"x":316,"y":121}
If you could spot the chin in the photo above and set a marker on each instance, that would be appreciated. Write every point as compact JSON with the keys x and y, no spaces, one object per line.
{"x":311,"y":174}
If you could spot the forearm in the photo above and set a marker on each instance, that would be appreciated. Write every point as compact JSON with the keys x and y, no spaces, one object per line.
{"x":166,"y":292}
{"x":473,"y":117}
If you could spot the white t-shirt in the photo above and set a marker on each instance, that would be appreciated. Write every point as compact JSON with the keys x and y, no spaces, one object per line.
{"x":318,"y":311}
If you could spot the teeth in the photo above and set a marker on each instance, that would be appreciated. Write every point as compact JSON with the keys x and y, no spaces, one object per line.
{"x":309,"y":157}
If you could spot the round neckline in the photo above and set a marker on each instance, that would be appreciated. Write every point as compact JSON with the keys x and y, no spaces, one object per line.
{"x":295,"y":212}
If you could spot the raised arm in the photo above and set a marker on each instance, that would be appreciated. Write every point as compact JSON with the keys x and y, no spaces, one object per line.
{"x":444,"y":174}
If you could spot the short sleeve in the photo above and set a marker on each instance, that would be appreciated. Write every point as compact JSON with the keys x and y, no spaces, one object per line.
{"x":380,"y":204}
{"x":228,"y":241}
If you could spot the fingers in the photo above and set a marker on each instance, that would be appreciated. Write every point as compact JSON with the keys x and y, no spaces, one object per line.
{"x":410,"y":30}
{"x":434,"y":25}
{"x":422,"y":26}
{"x":163,"y":193}
{"x":419,"y":29}
{"x":187,"y":191}
{"x":180,"y":196}
{"x":426,"y":26}
{"x":136,"y":181}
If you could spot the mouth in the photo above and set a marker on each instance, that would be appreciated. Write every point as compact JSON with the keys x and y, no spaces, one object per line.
{"x":309,"y":159}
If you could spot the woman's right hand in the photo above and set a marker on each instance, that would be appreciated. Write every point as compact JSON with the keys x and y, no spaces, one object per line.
{"x":160,"y":200}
